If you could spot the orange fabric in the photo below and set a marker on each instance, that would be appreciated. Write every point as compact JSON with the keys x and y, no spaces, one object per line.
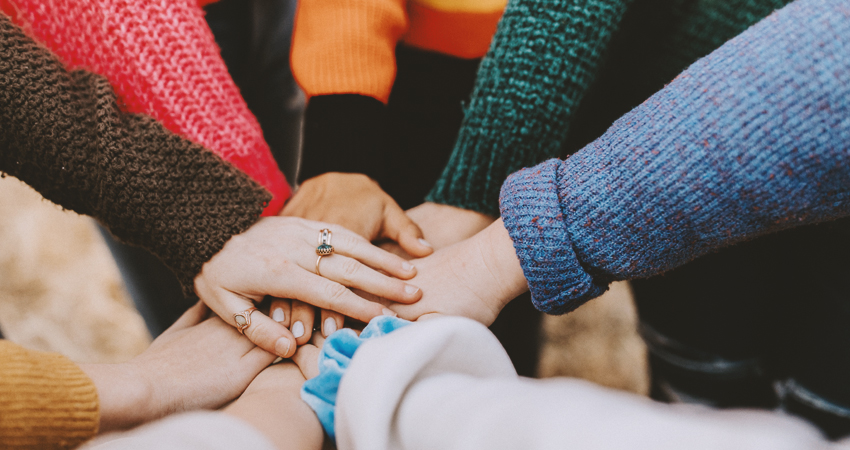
{"x":46,"y":401}
{"x":347,"y":46}
{"x":461,"y":34}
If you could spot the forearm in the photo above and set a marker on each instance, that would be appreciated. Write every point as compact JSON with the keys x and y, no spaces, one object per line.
{"x":123,"y":396}
{"x":453,"y":387}
{"x":162,"y":60}
{"x":544,"y":56}
{"x":749,"y":140}
{"x":63,"y":134}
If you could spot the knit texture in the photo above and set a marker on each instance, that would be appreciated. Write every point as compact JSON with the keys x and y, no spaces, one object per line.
{"x":347,"y":46}
{"x":752,"y":139}
{"x":542,"y":59}
{"x":63,"y":134}
{"x":657,"y":40}
{"x":46,"y":401}
{"x":162,"y":60}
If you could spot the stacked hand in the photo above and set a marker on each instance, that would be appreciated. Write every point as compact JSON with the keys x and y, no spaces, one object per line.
{"x":277,"y":257}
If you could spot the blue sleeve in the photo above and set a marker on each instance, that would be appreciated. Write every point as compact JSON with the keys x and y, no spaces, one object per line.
{"x":751,"y":139}
{"x":336,"y":354}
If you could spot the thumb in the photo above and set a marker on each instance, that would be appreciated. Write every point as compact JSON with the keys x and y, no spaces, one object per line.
{"x":399,"y":228}
{"x":193,"y":316}
{"x":429,"y":316}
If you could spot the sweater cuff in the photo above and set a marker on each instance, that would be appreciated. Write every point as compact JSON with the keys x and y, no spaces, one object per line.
{"x":464,"y":184}
{"x":47,"y":401}
{"x":344,"y":133}
{"x":532,"y":214}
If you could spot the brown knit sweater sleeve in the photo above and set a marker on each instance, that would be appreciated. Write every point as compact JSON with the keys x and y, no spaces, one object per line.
{"x":63,"y":134}
{"x":46,"y":401}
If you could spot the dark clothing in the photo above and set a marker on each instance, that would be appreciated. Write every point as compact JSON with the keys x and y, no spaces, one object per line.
{"x":787,"y":341}
{"x":254,"y":37}
{"x":63,"y":134}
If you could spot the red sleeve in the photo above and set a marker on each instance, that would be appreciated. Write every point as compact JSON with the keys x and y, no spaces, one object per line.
{"x":162,"y":60}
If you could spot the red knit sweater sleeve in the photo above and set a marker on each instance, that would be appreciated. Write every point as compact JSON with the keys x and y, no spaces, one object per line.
{"x":162,"y":60}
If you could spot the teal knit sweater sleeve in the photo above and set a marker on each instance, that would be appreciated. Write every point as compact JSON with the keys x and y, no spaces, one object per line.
{"x":542,"y":59}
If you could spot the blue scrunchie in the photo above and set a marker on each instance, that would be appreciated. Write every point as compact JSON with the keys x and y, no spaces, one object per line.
{"x":320,"y":392}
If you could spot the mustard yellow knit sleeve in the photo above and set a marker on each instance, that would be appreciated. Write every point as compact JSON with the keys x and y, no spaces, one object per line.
{"x":46,"y":401}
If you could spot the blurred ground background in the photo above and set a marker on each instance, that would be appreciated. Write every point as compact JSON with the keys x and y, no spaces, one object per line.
{"x":60,"y":291}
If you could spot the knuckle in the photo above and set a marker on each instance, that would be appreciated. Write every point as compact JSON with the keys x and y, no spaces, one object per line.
{"x":350,"y":243}
{"x":334,"y":293}
{"x":350,"y":269}
{"x":261,"y":334}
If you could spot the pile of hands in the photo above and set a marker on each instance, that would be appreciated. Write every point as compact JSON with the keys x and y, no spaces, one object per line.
{"x":431,"y":260}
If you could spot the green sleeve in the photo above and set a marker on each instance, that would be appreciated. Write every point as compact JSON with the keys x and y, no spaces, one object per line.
{"x":544,"y":56}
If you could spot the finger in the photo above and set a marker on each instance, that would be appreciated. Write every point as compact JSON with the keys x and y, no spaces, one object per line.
{"x":351,"y":245}
{"x":303,"y":315}
{"x":307,"y":359}
{"x":352,"y":273}
{"x":429,"y":316}
{"x":318,"y":340}
{"x":258,"y":358}
{"x":263,"y":331}
{"x":331,"y":321}
{"x":193,"y":316}
{"x":281,"y":311}
{"x":400,"y":228}
{"x":323,"y":293}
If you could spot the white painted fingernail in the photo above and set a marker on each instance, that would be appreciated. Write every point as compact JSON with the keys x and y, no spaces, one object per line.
{"x":407,"y":266}
{"x":298,"y":329}
{"x":281,"y":347}
{"x":411,"y":289}
{"x":277,"y":315}
{"x":389,"y":312}
{"x":330,"y":326}
{"x":425,"y":243}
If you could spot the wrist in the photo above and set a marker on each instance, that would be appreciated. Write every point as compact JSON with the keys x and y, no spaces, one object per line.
{"x":124,"y":393}
{"x":500,"y":258}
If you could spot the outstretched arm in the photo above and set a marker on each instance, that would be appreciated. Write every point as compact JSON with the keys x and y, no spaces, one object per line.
{"x":63,"y":134}
{"x":749,"y":140}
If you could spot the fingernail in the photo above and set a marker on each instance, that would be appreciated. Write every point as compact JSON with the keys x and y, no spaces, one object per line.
{"x":407,"y":266}
{"x":298,"y":329}
{"x":281,"y":347}
{"x":411,"y":289}
{"x":425,"y":243}
{"x":330,"y":326}
{"x":389,"y":312}
{"x":277,"y":315}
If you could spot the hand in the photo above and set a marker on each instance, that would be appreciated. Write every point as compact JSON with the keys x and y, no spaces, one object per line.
{"x":194,"y":364}
{"x":277,"y":257}
{"x":444,"y":225}
{"x":272,"y":404}
{"x":358,"y":203}
{"x":307,"y":357}
{"x":475,"y":278}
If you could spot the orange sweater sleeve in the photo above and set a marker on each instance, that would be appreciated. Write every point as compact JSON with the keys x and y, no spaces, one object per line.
{"x":347,"y":46}
{"x":46,"y":401}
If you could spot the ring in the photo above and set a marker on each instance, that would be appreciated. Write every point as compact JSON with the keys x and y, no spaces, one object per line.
{"x":317,"y":265}
{"x":243,"y":319}
{"x":325,"y":248}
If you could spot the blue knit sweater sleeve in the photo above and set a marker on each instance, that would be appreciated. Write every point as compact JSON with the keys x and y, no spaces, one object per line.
{"x":751,"y":139}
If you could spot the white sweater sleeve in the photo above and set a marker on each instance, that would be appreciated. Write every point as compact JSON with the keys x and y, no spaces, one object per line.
{"x":448,"y":384}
